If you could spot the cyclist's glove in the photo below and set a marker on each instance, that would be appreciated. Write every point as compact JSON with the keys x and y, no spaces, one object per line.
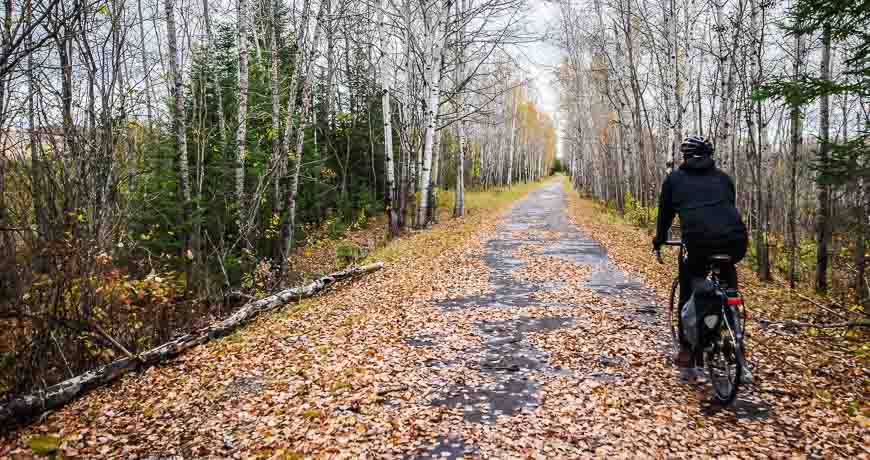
{"x":657,"y":246}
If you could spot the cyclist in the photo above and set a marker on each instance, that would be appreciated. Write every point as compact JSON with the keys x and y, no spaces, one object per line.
{"x":704,"y":198}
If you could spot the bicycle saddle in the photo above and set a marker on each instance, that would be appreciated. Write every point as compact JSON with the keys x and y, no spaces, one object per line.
{"x":720,"y":258}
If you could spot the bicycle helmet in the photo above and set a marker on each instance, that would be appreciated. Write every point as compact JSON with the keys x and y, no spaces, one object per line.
{"x":696,"y":146}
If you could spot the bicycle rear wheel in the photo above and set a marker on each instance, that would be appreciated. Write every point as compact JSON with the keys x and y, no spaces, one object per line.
{"x":725,"y":361}
{"x":674,"y":315}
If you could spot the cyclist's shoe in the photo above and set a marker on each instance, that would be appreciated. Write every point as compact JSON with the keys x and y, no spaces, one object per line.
{"x":683,"y":358}
{"x":692,"y":376}
{"x":698,"y":378}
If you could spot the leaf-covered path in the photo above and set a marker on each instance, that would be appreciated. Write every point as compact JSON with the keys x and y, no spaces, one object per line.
{"x":518,"y":338}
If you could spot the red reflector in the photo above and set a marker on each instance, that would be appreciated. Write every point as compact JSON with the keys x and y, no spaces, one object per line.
{"x":735,"y":301}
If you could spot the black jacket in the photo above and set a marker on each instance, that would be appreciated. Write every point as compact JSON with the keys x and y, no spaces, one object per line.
{"x":704,"y":198}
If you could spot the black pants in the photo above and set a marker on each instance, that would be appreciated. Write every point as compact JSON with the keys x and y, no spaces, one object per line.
{"x":696,"y":264}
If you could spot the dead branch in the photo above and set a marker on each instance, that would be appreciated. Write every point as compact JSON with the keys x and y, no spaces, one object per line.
{"x":858,"y":323}
{"x":114,"y":342}
{"x":827,"y":309}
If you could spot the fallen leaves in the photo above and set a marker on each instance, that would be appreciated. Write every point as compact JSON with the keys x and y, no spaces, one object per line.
{"x":784,"y":403}
{"x":382,"y":369}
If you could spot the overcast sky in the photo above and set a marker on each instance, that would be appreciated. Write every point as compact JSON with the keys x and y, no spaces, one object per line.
{"x":541,"y":58}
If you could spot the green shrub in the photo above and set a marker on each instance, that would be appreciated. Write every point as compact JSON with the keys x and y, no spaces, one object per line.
{"x":348,"y":252}
{"x":337,"y":229}
{"x":639,"y":215}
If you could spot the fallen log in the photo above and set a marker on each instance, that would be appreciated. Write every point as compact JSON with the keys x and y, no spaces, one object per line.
{"x":25,"y":407}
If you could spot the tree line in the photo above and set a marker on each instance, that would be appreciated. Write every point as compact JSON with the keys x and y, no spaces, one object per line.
{"x":160,"y":156}
{"x":779,"y":87}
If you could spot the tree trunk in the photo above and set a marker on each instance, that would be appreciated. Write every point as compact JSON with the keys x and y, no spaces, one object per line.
{"x":433,"y":74}
{"x":274,"y":87}
{"x":795,"y":146}
{"x":755,"y":152}
{"x":823,"y":232}
{"x":459,"y":204}
{"x":723,"y":125}
{"x":391,"y":192}
{"x":296,"y":72}
{"x":275,"y":159}
{"x":636,"y":110}
{"x":436,"y":163}
{"x":511,"y":141}
{"x":242,"y":134}
{"x":180,"y":128}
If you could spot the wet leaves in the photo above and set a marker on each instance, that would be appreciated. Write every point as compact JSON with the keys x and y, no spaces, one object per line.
{"x":381,"y":368}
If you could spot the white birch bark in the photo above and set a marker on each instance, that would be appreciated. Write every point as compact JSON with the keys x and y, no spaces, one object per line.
{"x":459,"y":204}
{"x":511,"y":141}
{"x":725,"y":65}
{"x":242,"y":132}
{"x":273,"y":86}
{"x":390,"y":167}
{"x":678,"y":102}
{"x":433,"y":73}
{"x":179,"y":122}
{"x":301,"y":32}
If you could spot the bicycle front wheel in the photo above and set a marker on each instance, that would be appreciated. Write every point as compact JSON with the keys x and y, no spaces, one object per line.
{"x":674,"y":315}
{"x":725,"y":361}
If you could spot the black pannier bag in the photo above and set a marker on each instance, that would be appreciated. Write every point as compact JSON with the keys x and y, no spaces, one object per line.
{"x":705,"y":300}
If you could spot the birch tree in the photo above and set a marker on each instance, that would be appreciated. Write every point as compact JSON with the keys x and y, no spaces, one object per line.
{"x":435,"y":38}
{"x":242,"y":133}
{"x":179,"y":126}
{"x":390,"y":197}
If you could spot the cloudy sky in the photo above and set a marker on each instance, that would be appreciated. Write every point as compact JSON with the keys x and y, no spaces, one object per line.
{"x":541,"y":58}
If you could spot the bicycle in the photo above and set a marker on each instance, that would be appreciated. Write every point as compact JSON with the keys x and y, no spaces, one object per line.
{"x":720,"y":347}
